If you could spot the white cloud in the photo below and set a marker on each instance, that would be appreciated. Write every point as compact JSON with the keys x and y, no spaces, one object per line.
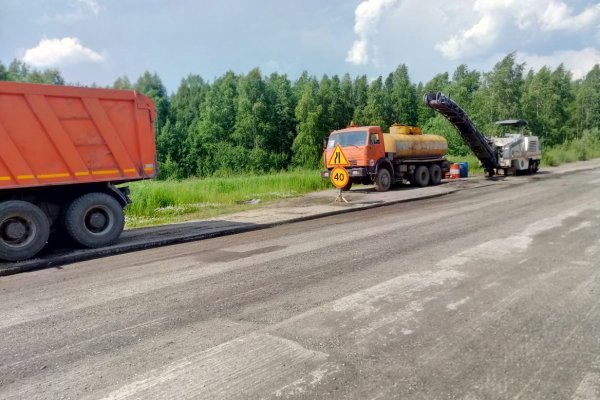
{"x":56,"y":52}
{"x":481,"y":35}
{"x":92,"y":5}
{"x":367,"y":15}
{"x":358,"y":53}
{"x":579,"y":62}
{"x":499,"y":18}
{"x":79,"y":10}
{"x":558,"y":16}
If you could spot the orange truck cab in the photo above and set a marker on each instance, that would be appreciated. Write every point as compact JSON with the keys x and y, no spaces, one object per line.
{"x":375,"y":157}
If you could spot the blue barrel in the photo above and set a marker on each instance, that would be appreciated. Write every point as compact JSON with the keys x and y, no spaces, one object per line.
{"x":464,"y":169}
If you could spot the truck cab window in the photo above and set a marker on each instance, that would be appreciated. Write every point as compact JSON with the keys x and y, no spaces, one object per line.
{"x":347,"y":139}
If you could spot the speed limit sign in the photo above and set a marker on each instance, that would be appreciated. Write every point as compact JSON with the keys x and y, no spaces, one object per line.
{"x":339,"y":177}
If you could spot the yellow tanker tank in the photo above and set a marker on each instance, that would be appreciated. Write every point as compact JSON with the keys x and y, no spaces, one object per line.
{"x":410,"y":142}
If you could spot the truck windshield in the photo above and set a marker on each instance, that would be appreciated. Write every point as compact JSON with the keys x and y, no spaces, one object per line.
{"x":347,"y":139}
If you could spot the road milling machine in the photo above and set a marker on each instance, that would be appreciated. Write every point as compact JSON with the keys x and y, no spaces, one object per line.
{"x":513,"y":153}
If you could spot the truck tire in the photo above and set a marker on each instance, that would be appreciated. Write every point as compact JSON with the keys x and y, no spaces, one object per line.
{"x":94,"y":220}
{"x":421,"y":176}
{"x":348,"y":186}
{"x":383,"y":180}
{"x":435,"y":174}
{"x":24,"y":230}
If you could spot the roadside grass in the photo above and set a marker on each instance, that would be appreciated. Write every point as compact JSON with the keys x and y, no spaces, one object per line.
{"x":163,"y":202}
{"x":171,"y":201}
{"x":160,"y":202}
{"x":582,"y":149}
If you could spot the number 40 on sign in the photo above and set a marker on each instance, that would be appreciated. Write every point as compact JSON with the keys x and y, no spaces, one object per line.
{"x":339,"y":177}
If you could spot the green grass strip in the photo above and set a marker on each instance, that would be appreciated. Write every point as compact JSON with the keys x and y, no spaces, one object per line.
{"x":158,"y":202}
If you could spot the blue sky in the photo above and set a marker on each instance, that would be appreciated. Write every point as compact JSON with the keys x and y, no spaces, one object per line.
{"x":100,"y":40}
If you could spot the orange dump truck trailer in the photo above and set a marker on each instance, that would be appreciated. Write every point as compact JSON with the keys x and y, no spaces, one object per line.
{"x":62,"y":151}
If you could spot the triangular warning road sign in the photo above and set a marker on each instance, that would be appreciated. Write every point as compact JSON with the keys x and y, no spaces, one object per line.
{"x":338,"y":159}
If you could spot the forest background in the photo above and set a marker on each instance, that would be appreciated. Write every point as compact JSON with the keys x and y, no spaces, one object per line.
{"x":250,"y":123}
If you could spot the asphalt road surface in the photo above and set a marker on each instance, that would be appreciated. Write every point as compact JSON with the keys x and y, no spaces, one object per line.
{"x":490,"y":293}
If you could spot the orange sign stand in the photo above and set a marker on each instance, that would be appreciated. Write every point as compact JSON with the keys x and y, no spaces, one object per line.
{"x":340,"y":178}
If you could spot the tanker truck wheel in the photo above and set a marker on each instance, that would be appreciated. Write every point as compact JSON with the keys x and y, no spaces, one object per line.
{"x":435,"y":174}
{"x":94,"y":220}
{"x":24,"y":230}
{"x":383,"y":180}
{"x":421,"y":176}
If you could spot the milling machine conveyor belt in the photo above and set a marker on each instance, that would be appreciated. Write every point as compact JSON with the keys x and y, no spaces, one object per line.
{"x":458,"y":118}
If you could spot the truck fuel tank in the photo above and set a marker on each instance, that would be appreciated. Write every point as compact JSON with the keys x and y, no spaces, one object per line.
{"x":410,"y":142}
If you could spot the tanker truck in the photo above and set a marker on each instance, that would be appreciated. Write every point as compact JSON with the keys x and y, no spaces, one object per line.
{"x":403,"y":154}
{"x":63,"y":151}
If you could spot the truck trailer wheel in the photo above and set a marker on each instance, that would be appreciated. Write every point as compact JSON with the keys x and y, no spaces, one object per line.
{"x":383,"y":180}
{"x":421,"y":176}
{"x":94,"y":220}
{"x":24,"y":230}
{"x":435,"y":174}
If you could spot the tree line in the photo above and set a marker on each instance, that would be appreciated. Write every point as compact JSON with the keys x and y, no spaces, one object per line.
{"x":254,"y":123}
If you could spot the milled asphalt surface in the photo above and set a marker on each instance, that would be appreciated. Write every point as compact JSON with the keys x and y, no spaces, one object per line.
{"x":314,"y":205}
{"x":488,"y":293}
